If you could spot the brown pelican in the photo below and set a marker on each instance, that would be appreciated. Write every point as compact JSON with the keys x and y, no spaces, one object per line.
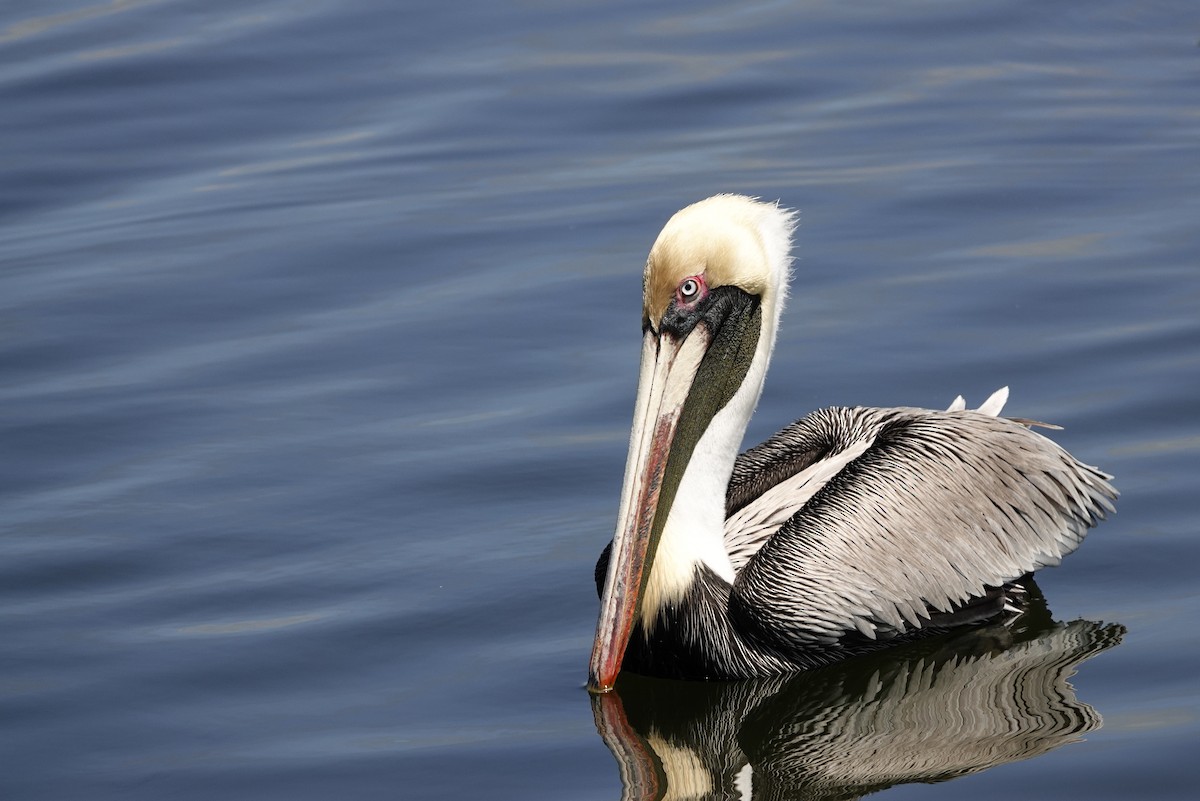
{"x":849,"y":530}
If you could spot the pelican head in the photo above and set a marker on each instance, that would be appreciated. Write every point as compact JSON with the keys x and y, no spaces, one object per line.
{"x":713,"y":291}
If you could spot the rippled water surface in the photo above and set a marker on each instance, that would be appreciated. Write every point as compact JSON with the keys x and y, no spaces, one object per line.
{"x":319,"y":325}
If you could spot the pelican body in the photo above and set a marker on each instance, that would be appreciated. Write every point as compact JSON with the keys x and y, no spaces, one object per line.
{"x":849,"y":530}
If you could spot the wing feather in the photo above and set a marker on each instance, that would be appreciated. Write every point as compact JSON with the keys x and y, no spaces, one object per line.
{"x":924,"y":512}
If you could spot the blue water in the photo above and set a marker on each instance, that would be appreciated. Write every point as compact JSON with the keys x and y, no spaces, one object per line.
{"x":319,"y":326}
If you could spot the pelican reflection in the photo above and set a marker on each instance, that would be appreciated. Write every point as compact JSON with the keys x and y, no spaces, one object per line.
{"x":930,"y":712}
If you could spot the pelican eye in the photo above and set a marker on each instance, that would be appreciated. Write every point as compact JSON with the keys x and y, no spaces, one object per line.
{"x":690,"y":289}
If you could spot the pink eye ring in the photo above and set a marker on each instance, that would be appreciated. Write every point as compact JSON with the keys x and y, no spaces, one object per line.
{"x":691,"y":289}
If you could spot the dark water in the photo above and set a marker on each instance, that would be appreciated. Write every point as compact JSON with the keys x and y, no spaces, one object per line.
{"x":318,"y":337}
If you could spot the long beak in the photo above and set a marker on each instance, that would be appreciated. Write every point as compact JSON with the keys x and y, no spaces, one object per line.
{"x":668,"y":371}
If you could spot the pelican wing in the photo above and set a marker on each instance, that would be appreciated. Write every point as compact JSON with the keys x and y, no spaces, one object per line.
{"x":878,"y":520}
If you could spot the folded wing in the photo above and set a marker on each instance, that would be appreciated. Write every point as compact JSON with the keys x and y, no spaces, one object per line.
{"x":872,"y":522}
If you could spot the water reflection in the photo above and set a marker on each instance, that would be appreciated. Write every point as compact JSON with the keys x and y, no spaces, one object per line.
{"x":927,"y":713}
